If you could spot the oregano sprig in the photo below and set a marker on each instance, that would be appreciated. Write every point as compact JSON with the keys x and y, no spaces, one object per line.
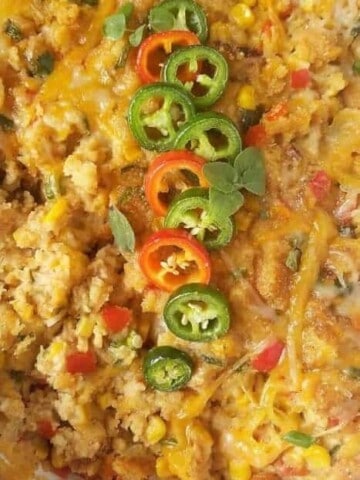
{"x":226,"y":181}
{"x":115,"y":25}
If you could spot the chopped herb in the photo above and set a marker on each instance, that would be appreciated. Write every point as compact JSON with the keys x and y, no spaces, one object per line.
{"x":212,"y":360}
{"x":298,"y":240}
{"x":355,"y":31}
{"x":353,"y":372}
{"x":249,"y":118}
{"x":334,"y":450}
{"x":171,"y":442}
{"x":16,"y":375}
{"x":356,"y":67}
{"x":52,"y":187}
{"x":13,"y":31}
{"x":43,"y":65}
{"x":136,"y":37}
{"x":242,"y":368}
{"x":122,"y":230}
{"x":6,"y":124}
{"x":123,"y":56}
{"x":115,"y":25}
{"x":299,"y":439}
{"x":293,"y":259}
{"x":240,"y":272}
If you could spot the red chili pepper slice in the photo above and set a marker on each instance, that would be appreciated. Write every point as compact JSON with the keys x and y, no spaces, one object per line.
{"x":269,"y":357}
{"x":300,"y":78}
{"x":116,"y":318}
{"x":155,"y":49}
{"x":320,"y":184}
{"x":81,"y":362}
{"x":255,"y":136}
{"x":166,"y":171}
{"x":172,"y":257}
{"x":45,"y":429}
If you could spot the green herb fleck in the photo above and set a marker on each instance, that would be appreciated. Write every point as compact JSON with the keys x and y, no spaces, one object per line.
{"x":356,"y":67}
{"x":123,"y":56}
{"x":161,"y":19}
{"x":13,"y":31}
{"x":293,"y":259}
{"x":353,"y":372}
{"x":43,"y":65}
{"x":250,"y":118}
{"x":115,"y":25}
{"x":299,"y":439}
{"x":334,"y":450}
{"x":212,"y":360}
{"x":136,"y":37}
{"x":122,"y":230}
{"x":52,"y":187}
{"x":6,"y":124}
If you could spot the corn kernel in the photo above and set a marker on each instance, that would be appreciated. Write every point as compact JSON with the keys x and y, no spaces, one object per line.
{"x":246,"y":97}
{"x":156,"y":430}
{"x":162,"y":468}
{"x":55,"y":348}
{"x":105,"y":400}
{"x":243,"y":15}
{"x":58,"y":210}
{"x":239,"y":470}
{"x":250,"y":3}
{"x":317,"y":457}
{"x":85,"y":326}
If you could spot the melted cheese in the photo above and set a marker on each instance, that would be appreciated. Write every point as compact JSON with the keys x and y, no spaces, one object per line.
{"x":322,"y":233}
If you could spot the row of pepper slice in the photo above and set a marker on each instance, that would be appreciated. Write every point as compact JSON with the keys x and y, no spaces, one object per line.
{"x":182,"y":78}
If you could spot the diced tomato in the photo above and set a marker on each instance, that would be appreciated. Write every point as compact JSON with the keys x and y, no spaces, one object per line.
{"x":269,"y":357}
{"x":81,"y":362}
{"x":320,"y":184}
{"x":300,"y":78}
{"x":333,"y":422}
{"x":45,"y":429}
{"x":255,"y":136}
{"x":277,"y":111}
{"x":116,"y":318}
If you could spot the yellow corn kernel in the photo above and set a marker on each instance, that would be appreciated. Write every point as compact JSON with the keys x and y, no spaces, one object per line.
{"x":162,"y":468}
{"x":105,"y":400}
{"x":243,"y":15}
{"x":55,"y":348}
{"x":85,"y":326}
{"x":246,"y":97}
{"x":307,"y":5}
{"x":250,"y":3}
{"x":58,"y":210}
{"x":219,"y":31}
{"x":132,"y":151}
{"x":317,"y":457}
{"x":239,"y":470}
{"x":156,"y":430}
{"x":23,"y":309}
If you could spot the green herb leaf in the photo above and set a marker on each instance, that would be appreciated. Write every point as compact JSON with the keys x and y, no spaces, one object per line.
{"x":127,"y":9}
{"x":123,"y":56}
{"x":222,"y":205}
{"x":249,"y":165}
{"x":43,"y":65}
{"x":293,"y":259}
{"x":122,"y":230}
{"x":114,"y":26}
{"x":161,"y":19}
{"x":353,"y":372}
{"x":356,"y":67}
{"x":299,"y":439}
{"x":136,"y":37}
{"x":13,"y":31}
{"x":213,"y":360}
{"x":6,"y":124}
{"x":221,"y":176}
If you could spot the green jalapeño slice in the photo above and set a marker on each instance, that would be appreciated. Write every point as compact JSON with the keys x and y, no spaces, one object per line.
{"x":179,"y":15}
{"x":157,"y":112}
{"x":190,"y":210}
{"x":210,"y":69}
{"x":167,"y":368}
{"x":197,"y":313}
{"x":210,"y":135}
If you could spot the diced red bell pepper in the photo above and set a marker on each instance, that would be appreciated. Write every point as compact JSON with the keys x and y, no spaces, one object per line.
{"x":62,"y":472}
{"x":320,"y":184}
{"x":81,"y":362}
{"x":269,"y":357}
{"x":45,"y":429}
{"x":116,"y":318}
{"x":277,"y":111}
{"x":300,"y":78}
{"x":255,"y":136}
